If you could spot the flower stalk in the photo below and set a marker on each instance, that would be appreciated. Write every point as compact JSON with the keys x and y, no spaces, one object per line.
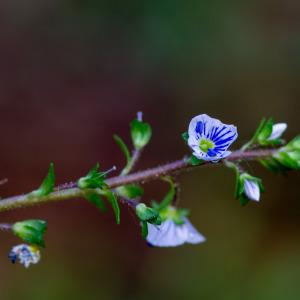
{"x":140,"y":177}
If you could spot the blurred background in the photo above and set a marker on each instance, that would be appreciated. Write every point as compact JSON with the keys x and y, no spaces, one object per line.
{"x":74,"y":72}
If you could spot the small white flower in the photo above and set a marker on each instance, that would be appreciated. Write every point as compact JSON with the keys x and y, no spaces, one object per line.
{"x":26,"y":254}
{"x":209,"y":138}
{"x":252,"y":189}
{"x":170,"y":234}
{"x":277,"y":131}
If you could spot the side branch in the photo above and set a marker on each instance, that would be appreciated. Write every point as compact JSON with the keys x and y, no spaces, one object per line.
{"x":138,"y":177}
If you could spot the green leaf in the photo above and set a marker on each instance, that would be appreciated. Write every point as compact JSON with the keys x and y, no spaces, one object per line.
{"x":125,"y":151}
{"x":144,"y":226}
{"x":131,"y":191}
{"x":94,"y":179}
{"x":141,"y":133}
{"x":47,"y":185}
{"x":185,"y":136}
{"x":112,"y":199}
{"x":95,"y":199}
{"x":194,"y":161}
{"x":31,"y":231}
{"x":147,"y":214}
{"x":265,"y":132}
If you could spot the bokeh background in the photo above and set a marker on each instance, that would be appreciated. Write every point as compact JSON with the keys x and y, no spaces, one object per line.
{"x":74,"y":72}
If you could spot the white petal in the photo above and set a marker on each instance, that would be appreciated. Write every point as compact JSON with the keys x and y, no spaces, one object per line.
{"x":165,"y":235}
{"x":194,"y":237}
{"x":252,"y":190}
{"x":169,"y":234}
{"x":277,"y":131}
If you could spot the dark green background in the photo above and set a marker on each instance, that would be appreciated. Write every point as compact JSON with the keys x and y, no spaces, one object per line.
{"x":73,"y":73}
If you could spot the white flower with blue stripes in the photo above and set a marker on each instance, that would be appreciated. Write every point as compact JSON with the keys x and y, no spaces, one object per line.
{"x":26,"y":254}
{"x":209,"y":138}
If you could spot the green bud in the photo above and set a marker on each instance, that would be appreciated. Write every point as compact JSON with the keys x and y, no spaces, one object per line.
{"x":147,"y":214}
{"x":140,"y":133}
{"x":31,"y":231}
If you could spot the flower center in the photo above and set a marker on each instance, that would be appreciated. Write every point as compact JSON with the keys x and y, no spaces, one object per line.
{"x":206,"y":145}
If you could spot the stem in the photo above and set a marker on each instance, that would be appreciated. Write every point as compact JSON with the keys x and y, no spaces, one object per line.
{"x":139,"y":177}
{"x":135,"y":157}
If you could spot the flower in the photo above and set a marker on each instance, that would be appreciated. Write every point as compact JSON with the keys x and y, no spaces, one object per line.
{"x":252,"y":190}
{"x":170,"y":234}
{"x":209,"y":138}
{"x":277,"y":131}
{"x":26,"y":254}
{"x":175,"y":230}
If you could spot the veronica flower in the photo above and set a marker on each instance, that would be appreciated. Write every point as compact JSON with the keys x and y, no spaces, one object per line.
{"x":172,"y":233}
{"x":209,"y":138}
{"x":26,"y":254}
{"x":277,"y":131}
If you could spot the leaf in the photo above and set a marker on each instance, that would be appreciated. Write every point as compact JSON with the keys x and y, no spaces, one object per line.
{"x":93,"y":179}
{"x":194,"y":161}
{"x":185,"y":136}
{"x":124,"y":149}
{"x":131,"y":191}
{"x":144,"y":226}
{"x":112,"y":199}
{"x":31,"y":231}
{"x":141,"y":133}
{"x":265,"y":132}
{"x":47,"y":185}
{"x":95,"y":199}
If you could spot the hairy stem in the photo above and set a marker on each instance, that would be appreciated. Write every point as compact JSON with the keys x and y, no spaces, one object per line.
{"x":137,"y":177}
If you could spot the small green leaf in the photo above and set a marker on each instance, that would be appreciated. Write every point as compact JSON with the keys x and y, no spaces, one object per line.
{"x":112,"y":199}
{"x":94,"y":179}
{"x":144,"y":226}
{"x":31,"y":231}
{"x":95,"y":199}
{"x":147,"y":214}
{"x":185,"y":136}
{"x":265,"y":132}
{"x":126,"y":153}
{"x":47,"y":185}
{"x":141,"y":133}
{"x":131,"y":191}
{"x":194,"y":161}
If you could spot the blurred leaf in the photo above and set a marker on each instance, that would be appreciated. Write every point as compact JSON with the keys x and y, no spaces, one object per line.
{"x":185,"y":136}
{"x":95,"y":199}
{"x":47,"y":185}
{"x":194,"y":161}
{"x":31,"y":231}
{"x":144,"y":226}
{"x":112,"y":199}
{"x":131,"y":191}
